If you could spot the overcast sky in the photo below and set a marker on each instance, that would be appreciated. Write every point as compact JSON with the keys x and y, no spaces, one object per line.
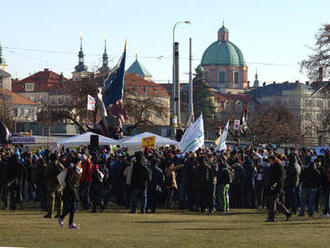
{"x":273,"y":35}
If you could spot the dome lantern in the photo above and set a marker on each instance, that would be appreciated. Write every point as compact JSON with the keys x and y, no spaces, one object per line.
{"x":223,"y":34}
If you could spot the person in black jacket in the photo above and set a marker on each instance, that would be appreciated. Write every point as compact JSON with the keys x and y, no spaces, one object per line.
{"x":310,"y":178}
{"x":141,"y":175}
{"x":291,"y":183}
{"x":274,"y":187}
{"x":70,"y":193}
{"x":155,"y":185}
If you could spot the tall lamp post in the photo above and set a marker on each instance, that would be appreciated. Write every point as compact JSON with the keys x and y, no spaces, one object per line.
{"x":175,"y":120}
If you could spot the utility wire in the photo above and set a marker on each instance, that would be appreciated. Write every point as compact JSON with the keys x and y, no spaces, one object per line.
{"x":143,"y":57}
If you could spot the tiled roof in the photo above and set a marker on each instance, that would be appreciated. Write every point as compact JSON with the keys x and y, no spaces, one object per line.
{"x":10,"y":97}
{"x":142,"y":86}
{"x":45,"y":81}
{"x":184,"y":87}
{"x":4,"y":73}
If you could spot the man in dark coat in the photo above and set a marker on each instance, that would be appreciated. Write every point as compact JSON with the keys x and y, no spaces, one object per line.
{"x":155,"y":185}
{"x":274,"y":187}
{"x":141,"y":175}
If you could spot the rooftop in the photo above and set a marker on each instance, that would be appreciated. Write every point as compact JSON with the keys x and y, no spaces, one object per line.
{"x":10,"y":97}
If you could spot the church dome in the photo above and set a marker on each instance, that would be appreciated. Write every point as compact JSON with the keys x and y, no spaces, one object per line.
{"x":223,"y":52}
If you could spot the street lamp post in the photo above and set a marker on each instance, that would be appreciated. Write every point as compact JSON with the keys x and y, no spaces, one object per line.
{"x":175,"y":80}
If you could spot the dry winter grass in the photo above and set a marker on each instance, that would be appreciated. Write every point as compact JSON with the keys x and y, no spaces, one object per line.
{"x":117,"y":228}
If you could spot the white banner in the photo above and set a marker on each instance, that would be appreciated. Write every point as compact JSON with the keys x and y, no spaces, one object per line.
{"x":237,"y":125}
{"x":193,"y":138}
{"x":222,"y":144}
{"x":90,"y":103}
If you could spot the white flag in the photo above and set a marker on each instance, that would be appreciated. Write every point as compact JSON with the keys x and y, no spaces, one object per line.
{"x":193,"y":138}
{"x":90,"y":103}
{"x":222,"y":144}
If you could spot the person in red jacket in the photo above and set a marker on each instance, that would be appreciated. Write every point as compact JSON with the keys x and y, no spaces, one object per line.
{"x":85,"y":181}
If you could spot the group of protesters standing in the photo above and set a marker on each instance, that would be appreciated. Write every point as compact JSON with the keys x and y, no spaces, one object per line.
{"x":204,"y":180}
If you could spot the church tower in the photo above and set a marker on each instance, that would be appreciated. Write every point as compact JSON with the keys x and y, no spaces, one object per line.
{"x":81,"y":69}
{"x":105,"y":63}
{"x":3,"y":65}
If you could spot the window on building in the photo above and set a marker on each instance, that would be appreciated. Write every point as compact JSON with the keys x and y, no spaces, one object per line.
{"x":213,"y":76}
{"x":251,"y":106}
{"x":226,"y":106}
{"x":308,"y":116}
{"x":206,"y":76}
{"x":22,"y":111}
{"x":60,"y":101}
{"x":236,"y":77}
{"x":239,"y":107}
{"x":15,"y":112}
{"x":319,"y":103}
{"x":221,"y":77}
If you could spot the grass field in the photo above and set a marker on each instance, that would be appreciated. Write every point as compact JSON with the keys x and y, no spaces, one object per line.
{"x":168,"y":228}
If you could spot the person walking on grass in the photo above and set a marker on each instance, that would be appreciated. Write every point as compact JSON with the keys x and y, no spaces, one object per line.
{"x":70,"y":194}
{"x":274,"y":187}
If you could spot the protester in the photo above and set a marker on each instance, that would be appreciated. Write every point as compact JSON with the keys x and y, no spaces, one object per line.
{"x":165,"y":178}
{"x":70,"y":194}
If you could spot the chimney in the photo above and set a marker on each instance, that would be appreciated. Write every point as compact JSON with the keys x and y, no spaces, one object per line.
{"x":320,"y":74}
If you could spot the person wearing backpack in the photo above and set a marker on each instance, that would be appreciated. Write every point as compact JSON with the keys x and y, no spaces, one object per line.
{"x":141,"y":175}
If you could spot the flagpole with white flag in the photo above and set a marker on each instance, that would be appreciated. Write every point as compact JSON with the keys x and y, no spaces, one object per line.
{"x":193,"y":138}
{"x":222,"y":144}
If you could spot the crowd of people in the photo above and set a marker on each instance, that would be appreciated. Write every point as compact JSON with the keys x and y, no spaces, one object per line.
{"x":204,"y":180}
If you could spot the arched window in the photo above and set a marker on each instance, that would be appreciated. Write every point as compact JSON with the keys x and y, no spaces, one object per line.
{"x":251,"y":106}
{"x":226,"y":106}
{"x":239,"y":107}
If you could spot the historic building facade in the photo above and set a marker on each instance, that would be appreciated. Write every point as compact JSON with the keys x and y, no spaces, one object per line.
{"x":224,"y":65}
{"x":310,"y":104}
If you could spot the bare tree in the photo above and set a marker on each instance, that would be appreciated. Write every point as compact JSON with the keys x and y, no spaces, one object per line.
{"x":274,"y":125}
{"x":317,"y":65}
{"x":141,"y":110}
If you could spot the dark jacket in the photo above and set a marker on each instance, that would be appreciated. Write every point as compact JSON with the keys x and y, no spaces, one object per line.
{"x":275,"y":180}
{"x":157,"y":179}
{"x":141,"y":175}
{"x":52,"y":170}
{"x":310,"y":177}
{"x":70,"y":192}
{"x":293,"y":171}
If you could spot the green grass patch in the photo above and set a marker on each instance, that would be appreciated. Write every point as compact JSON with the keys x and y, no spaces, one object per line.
{"x":168,"y":228}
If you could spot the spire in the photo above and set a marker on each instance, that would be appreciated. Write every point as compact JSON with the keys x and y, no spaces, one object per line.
{"x":256,"y":81}
{"x":1,"y":60}
{"x":81,"y":66}
{"x":105,"y":66}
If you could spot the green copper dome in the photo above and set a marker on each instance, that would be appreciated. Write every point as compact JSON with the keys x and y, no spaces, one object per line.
{"x":138,"y":68}
{"x":223,"y":29}
{"x":223,"y":52}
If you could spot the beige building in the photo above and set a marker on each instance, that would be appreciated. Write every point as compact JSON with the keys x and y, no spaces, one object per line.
{"x":19,"y":107}
{"x":311,"y":105}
